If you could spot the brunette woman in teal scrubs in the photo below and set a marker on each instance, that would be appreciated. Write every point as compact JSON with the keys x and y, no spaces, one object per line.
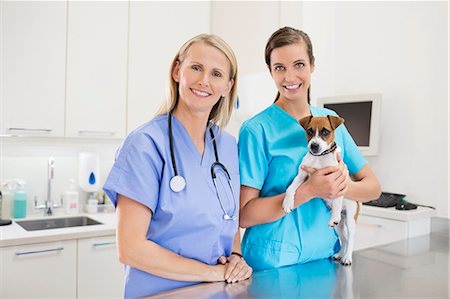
{"x":272,"y":145}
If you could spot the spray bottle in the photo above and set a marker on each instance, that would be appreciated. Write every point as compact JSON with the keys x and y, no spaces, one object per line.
{"x":20,"y":200}
{"x":7,"y":193}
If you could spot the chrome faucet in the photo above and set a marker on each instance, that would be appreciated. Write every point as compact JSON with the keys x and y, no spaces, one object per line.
{"x":49,"y":202}
{"x":49,"y":205}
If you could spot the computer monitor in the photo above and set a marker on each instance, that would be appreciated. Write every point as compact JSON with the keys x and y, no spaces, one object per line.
{"x":362,"y":118}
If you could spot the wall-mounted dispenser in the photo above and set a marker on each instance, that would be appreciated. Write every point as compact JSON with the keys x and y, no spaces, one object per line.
{"x":89,"y":171}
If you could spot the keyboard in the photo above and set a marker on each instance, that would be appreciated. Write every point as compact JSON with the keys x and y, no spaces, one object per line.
{"x":386,"y":200}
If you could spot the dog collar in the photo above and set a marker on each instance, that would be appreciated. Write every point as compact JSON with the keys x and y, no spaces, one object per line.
{"x":330,"y":150}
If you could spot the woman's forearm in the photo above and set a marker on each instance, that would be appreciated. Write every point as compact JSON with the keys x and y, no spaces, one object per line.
{"x":364,"y":190}
{"x":365,"y":187}
{"x":133,"y":220}
{"x":237,"y":242}
{"x":150,"y":257}
{"x":261,"y":210}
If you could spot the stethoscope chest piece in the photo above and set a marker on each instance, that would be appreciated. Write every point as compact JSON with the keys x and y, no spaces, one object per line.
{"x":177,"y":183}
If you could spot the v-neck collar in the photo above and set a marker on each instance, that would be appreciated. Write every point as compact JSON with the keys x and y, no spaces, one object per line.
{"x":204,"y":159}
{"x":280,"y":110}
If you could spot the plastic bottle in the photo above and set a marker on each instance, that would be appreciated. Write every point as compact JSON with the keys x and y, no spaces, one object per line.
{"x":71,"y":199}
{"x":20,"y":200}
{"x":3,"y":221}
{"x":7,"y":190}
{"x":1,"y":204}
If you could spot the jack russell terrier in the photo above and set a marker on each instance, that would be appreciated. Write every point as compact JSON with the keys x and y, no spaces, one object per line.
{"x":322,"y":153}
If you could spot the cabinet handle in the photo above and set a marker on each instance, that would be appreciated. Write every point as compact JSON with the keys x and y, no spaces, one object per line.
{"x":87,"y":132}
{"x":39,"y":251}
{"x":104,"y":244}
{"x":30,"y":129}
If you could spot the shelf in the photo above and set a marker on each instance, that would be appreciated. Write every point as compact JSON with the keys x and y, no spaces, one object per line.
{"x":400,"y":215}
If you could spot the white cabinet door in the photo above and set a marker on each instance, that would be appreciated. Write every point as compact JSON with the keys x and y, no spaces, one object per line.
{"x":42,"y":270}
{"x":33,"y":52}
{"x":157,"y":31}
{"x":96,"y":69}
{"x":100,"y":274}
{"x":375,"y":231}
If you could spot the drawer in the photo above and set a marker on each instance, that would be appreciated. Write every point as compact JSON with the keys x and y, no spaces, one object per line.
{"x":374,"y":231}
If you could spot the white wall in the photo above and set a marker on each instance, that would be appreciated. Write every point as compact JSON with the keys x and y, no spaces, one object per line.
{"x":400,"y":50}
{"x":27,"y":158}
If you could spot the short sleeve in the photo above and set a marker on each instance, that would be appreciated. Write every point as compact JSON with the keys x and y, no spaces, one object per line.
{"x":136,"y":172}
{"x":253,"y":162}
{"x":352,"y":156}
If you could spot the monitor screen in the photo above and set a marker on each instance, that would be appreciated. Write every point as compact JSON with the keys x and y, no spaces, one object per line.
{"x":357,"y":119}
{"x":362,"y":118}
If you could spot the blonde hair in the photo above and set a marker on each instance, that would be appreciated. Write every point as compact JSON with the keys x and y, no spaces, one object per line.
{"x":221,"y":111}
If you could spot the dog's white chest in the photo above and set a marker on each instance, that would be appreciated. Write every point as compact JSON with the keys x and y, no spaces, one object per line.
{"x":319,"y":162}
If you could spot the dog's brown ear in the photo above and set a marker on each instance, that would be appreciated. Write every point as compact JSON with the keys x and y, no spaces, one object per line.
{"x":335,"y":121}
{"x":304,"y":122}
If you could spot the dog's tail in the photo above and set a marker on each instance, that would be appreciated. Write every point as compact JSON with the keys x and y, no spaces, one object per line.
{"x":357,"y":211}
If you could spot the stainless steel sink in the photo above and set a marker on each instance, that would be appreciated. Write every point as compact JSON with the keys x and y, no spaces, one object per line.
{"x":52,"y":223}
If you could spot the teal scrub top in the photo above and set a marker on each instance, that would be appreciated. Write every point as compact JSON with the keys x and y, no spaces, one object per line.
{"x":272,"y":145}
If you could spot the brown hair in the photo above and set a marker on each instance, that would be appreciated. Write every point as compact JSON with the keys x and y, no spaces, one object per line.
{"x":288,"y":36}
{"x":221,"y":112}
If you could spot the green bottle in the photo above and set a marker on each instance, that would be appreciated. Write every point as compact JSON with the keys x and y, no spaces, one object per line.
{"x":20,"y":200}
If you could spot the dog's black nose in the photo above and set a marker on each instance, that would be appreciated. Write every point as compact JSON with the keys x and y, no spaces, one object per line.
{"x":314,"y":147}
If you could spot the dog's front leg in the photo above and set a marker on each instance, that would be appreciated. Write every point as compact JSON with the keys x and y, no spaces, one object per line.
{"x":288,"y":202}
{"x":336,"y":210}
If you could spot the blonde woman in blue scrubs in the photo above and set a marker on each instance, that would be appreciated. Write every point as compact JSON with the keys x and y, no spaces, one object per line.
{"x":178,"y":226}
{"x":271,"y":147}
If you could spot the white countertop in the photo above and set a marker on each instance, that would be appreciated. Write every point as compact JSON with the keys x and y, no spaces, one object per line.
{"x":400,"y":215}
{"x":14,"y":234}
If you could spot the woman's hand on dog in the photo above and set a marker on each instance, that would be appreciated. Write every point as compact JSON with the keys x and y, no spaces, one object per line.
{"x":329,"y":182}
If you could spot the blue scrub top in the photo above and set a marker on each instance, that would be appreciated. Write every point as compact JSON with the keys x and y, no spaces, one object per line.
{"x":272,"y":145}
{"x":189,"y":223}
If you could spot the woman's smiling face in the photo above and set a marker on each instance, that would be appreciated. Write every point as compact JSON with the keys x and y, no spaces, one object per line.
{"x":291,"y":70}
{"x":203,"y":77}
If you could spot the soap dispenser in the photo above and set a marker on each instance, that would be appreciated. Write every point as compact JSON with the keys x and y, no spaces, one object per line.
{"x":89,"y":171}
{"x":20,"y":200}
{"x":71,"y":199}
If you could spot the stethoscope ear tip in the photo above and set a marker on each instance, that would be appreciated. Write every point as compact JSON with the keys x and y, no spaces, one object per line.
{"x":228,"y":217}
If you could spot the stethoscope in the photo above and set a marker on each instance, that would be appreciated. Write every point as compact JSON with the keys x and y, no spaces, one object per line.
{"x":178,"y":183}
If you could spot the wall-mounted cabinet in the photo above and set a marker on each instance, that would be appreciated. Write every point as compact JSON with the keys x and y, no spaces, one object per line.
{"x":157,"y":31}
{"x":97,"y":39}
{"x":90,"y":69}
{"x":33,"y":57}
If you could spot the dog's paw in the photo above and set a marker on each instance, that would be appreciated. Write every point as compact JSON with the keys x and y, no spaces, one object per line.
{"x":337,"y":257}
{"x":333,"y":223}
{"x":288,"y":204}
{"x":346,"y":261}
